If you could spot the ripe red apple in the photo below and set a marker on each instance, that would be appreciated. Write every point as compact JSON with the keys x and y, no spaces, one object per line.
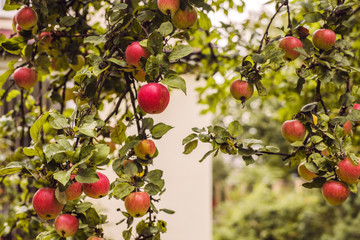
{"x":356,"y":106}
{"x":95,"y":238}
{"x":145,"y":149}
{"x":324,"y":39}
{"x":98,"y":189}
{"x":66,"y":225}
{"x":293,"y":130}
{"x":347,"y":127}
{"x":153,"y":98}
{"x":303,"y":32}
{"x":305,"y":173}
{"x":137,"y":203}
{"x":26,"y":18}
{"x":73,"y":191}
{"x":134,"y":52}
{"x":46,"y":37}
{"x":184,"y":19}
{"x":288,"y":44}
{"x":241,"y":90}
{"x":168,"y":7}
{"x":335,"y":192}
{"x":45,"y":204}
{"x":348,"y":171}
{"x":25,"y":77}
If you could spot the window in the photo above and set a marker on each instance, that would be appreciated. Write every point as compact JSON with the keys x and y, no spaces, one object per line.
{"x":5,"y":14}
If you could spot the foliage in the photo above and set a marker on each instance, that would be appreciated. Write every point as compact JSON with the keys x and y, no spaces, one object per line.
{"x":267,"y":205}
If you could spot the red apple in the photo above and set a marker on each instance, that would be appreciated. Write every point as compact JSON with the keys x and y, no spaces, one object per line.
{"x":168,"y":7}
{"x":303,"y":32}
{"x":73,"y":191}
{"x":134,"y":52}
{"x":241,"y":90}
{"x":97,"y":189}
{"x":335,"y":192}
{"x":356,"y":106}
{"x":348,"y":171}
{"x":184,"y":19}
{"x":347,"y":127}
{"x":145,"y":149}
{"x":95,"y":238}
{"x":137,"y":203}
{"x":324,"y":39}
{"x":46,"y":37}
{"x":45,"y":204}
{"x":288,"y":44}
{"x":26,"y":18}
{"x":293,"y":130}
{"x":305,"y":173}
{"x":66,"y":225}
{"x":153,"y":98}
{"x":25,"y":77}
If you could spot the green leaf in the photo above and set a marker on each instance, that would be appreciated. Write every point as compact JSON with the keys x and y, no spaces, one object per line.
{"x":87,"y":176}
{"x":258,"y":58}
{"x":152,"y":189}
{"x":235,"y":129}
{"x":101,"y":153}
{"x":248,"y":160}
{"x":152,"y":67}
{"x":301,"y":51}
{"x":37,"y":126}
{"x":118,"y":62}
{"x":159,"y":130}
{"x":123,"y":189}
{"x":155,"y":174}
{"x":155,"y":43}
{"x":180,"y":51}
{"x":68,"y":21}
{"x":309,"y":107}
{"x":312,"y":17}
{"x":204,"y":21}
{"x":127,"y":234}
{"x":166,"y":28}
{"x":175,"y":81}
{"x":118,"y":134}
{"x":92,"y":217}
{"x":168,"y":211}
{"x":189,"y":138}
{"x":88,"y":129}
{"x":207,"y":154}
{"x":60,"y":196}
{"x":317,"y":182}
{"x":189,"y":147}
{"x":62,"y":176}
{"x":127,"y":147}
{"x":83,"y":207}
{"x":8,"y":170}
{"x":58,"y":121}
{"x":96,"y":40}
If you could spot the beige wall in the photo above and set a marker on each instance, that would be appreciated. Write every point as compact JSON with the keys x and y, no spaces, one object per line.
{"x":188,"y":182}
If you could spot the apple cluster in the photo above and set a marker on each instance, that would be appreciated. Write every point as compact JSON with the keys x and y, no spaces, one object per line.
{"x":323,"y":39}
{"x":25,"y":19}
{"x":47,"y":206}
{"x":182,"y":18}
{"x":347,"y":172}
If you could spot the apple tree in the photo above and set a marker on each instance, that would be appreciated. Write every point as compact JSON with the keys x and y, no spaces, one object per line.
{"x":57,"y":136}
{"x":70,"y":67}
{"x":307,"y":68}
